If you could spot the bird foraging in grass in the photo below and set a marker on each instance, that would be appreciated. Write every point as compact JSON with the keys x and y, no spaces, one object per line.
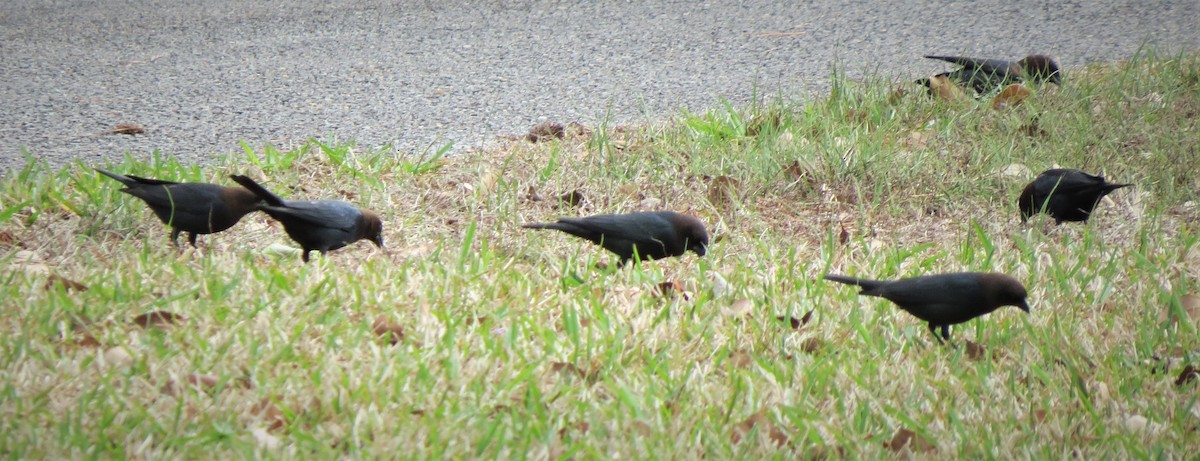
{"x":321,"y":225}
{"x":195,"y":208}
{"x":1065,"y":195}
{"x":945,"y":299}
{"x":646,"y":235}
{"x":986,"y":75}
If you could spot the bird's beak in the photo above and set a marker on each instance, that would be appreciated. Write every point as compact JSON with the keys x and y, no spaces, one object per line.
{"x":699,"y":249}
{"x":378,"y":241}
{"x":1024,"y":306}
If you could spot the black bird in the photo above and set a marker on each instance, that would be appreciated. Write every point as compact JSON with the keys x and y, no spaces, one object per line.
{"x":651,"y":235}
{"x":195,"y":208}
{"x":945,"y":299}
{"x":986,"y":75}
{"x":1065,"y":195}
{"x":321,"y":225}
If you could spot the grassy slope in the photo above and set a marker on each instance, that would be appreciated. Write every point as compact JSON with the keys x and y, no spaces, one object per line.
{"x":516,"y":343}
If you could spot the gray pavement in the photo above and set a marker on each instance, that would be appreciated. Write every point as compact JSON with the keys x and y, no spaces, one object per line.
{"x":202,"y":76}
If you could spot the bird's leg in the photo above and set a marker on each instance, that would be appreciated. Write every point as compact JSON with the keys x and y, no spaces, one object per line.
{"x":175,"y":237}
{"x":304,"y":255}
{"x":192,"y":239}
{"x":943,"y":338}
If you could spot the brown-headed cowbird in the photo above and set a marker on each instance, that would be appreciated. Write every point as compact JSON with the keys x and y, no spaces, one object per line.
{"x":321,"y":225}
{"x":986,"y":75}
{"x":945,"y":299}
{"x":1065,"y":195}
{"x":649,"y":235}
{"x":195,"y":208}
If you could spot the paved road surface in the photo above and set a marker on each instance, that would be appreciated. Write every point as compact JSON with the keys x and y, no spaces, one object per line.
{"x":201,"y":76}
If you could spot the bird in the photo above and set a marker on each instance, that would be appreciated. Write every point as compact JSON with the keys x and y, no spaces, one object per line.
{"x":195,"y":208}
{"x":321,"y":225}
{"x":648,"y":235}
{"x":945,"y":299}
{"x":1064,"y":194}
{"x":986,"y":75}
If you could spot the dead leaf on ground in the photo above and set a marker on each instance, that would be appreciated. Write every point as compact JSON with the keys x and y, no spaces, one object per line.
{"x":67,"y":284}
{"x":7,"y":238}
{"x":128,"y":128}
{"x":1033,"y":130}
{"x":764,"y":424}
{"x":670,"y":289}
{"x":568,"y":367}
{"x":385,"y":328}
{"x":723,"y":192}
{"x":158,"y":319}
{"x":975,"y":351}
{"x":196,"y":380}
{"x":546,"y":131}
{"x":812,"y":345}
{"x":795,"y":171}
{"x":896,"y":96}
{"x":741,"y":359}
{"x":795,"y":323}
{"x":906,"y":438}
{"x":532,"y":195}
{"x":571,"y":199}
{"x":1191,"y":306}
{"x":1039,"y":415}
{"x":86,"y":339}
{"x":844,"y":236}
{"x":269,"y":411}
{"x":941,"y":87}
{"x":580,"y":427}
{"x":1189,"y":374}
{"x":741,"y":307}
{"x":1011,"y":96}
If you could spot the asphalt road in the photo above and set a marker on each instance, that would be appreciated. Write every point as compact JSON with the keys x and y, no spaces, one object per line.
{"x":203,"y":76}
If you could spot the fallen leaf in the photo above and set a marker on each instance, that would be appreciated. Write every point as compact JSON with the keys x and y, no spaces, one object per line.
{"x":896,"y":96}
{"x":580,"y":427}
{"x":941,"y":87}
{"x":532,"y":195}
{"x":765,"y":425}
{"x":844,"y":236}
{"x":264,"y":439}
{"x":1189,"y":374}
{"x":7,"y":238}
{"x":86,"y":339}
{"x":571,"y":199}
{"x":128,"y":128}
{"x":741,"y":359}
{"x":796,"y":323}
{"x":268,"y":410}
{"x":723,"y":192}
{"x":117,"y":356}
{"x":975,"y":351}
{"x":905,"y":438}
{"x":567,"y":367}
{"x":741,"y":307}
{"x":1039,"y":415}
{"x":812,"y":345}
{"x":67,"y":284}
{"x":388,"y":330}
{"x":671,"y":289}
{"x":1011,"y":96}
{"x":1191,"y":306}
{"x":546,"y":131}
{"x":158,"y":319}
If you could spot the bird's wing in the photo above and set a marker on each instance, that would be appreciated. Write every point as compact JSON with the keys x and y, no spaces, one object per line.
{"x":640,"y":228}
{"x":990,"y":66}
{"x":931,"y":291}
{"x":325,"y":213}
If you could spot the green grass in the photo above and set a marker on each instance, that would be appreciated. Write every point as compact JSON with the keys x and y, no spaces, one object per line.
{"x":517,"y":343}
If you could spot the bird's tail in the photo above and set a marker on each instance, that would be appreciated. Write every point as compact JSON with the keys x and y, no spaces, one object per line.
{"x":128,"y":182}
{"x":257,"y":189}
{"x":866,"y":285}
{"x":1112,"y":187}
{"x":540,"y":225}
